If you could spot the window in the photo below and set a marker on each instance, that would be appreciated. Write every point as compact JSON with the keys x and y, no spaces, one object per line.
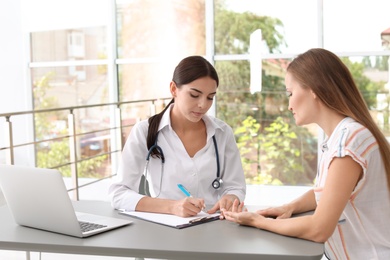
{"x":274,"y":150}
{"x":102,"y":51}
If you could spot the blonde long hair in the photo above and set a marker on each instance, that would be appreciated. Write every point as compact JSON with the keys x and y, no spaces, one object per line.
{"x":327,"y":76}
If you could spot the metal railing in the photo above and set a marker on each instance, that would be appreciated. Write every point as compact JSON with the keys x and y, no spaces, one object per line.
{"x":116,"y":136}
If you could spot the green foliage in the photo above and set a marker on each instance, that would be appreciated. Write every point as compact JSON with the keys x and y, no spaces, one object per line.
{"x":368,"y":88}
{"x":41,"y":101}
{"x":268,"y":147}
{"x":281,"y":157}
{"x":247,"y":135}
{"x":59,"y":154}
{"x":232,"y":30}
{"x":382,"y":63}
{"x":276,"y":155}
{"x":367,"y":62}
{"x":232,"y":33}
{"x":51,"y":154}
{"x":274,"y":150}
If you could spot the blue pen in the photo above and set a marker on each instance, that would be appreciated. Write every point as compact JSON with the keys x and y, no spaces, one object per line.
{"x":187,"y":193}
{"x":184,"y":190}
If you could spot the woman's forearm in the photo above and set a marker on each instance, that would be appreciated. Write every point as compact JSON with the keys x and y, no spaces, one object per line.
{"x":304,"y":203}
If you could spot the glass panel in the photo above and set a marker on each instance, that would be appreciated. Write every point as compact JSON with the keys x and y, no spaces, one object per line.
{"x":149,"y":28}
{"x":93,"y":142}
{"x":274,"y":150}
{"x":287,"y":26}
{"x":132,"y":113}
{"x":94,"y":119}
{"x":65,"y":87}
{"x":70,"y":44}
{"x":170,"y":30}
{"x":48,"y":15}
{"x":145,"y":80}
{"x":93,"y":127}
{"x":54,"y":153}
{"x":69,"y":86}
{"x":351,"y":26}
{"x":371,"y":74}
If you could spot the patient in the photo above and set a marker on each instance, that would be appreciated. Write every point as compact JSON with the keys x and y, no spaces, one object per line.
{"x":350,"y":198}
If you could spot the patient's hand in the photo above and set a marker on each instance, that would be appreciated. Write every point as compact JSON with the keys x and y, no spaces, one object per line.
{"x":276,"y":212}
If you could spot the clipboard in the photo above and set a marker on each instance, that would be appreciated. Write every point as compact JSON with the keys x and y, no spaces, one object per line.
{"x":173,"y":220}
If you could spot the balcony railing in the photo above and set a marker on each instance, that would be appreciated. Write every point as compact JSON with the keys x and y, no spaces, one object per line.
{"x":113,"y":141}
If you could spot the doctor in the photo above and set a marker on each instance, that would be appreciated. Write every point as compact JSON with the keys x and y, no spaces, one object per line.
{"x":184,"y":146}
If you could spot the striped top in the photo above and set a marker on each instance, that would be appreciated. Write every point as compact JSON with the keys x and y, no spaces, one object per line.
{"x":363,"y":231}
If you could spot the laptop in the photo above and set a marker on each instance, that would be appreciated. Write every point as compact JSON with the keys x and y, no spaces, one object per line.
{"x":38,"y":199}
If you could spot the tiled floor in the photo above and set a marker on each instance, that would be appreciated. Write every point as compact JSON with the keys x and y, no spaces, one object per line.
{"x":256,"y":195}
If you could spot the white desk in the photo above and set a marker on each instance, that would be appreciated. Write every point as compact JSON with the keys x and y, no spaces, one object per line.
{"x":213,"y":240}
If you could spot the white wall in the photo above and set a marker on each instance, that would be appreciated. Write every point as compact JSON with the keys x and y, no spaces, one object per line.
{"x":15,"y":93}
{"x":12,"y":96}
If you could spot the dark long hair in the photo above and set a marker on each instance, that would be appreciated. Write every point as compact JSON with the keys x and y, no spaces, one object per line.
{"x":189,"y":69}
{"x":328,"y":77}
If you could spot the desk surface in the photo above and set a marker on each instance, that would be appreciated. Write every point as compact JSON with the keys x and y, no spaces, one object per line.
{"x":213,"y":240}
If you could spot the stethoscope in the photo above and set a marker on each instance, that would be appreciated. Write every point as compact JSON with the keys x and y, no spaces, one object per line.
{"x":216,"y":184}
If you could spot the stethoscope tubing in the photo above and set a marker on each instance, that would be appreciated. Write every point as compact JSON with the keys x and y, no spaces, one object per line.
{"x":218,"y":180}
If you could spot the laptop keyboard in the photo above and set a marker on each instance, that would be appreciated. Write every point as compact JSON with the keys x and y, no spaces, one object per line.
{"x":87,"y":226}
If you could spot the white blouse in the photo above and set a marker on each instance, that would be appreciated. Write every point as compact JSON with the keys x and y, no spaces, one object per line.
{"x":363,"y":229}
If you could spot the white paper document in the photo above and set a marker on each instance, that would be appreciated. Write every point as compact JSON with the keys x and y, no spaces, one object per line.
{"x":173,"y":220}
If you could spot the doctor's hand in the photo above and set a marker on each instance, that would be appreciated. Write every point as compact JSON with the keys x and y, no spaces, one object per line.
{"x":227,"y":202}
{"x":187,"y":207}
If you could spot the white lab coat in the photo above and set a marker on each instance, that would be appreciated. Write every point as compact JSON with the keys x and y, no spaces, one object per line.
{"x":196,"y":173}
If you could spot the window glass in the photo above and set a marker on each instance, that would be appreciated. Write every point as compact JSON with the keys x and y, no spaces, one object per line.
{"x":168,"y":28}
{"x":74,"y":34}
{"x":371,"y":75}
{"x":69,"y":86}
{"x":351,"y":26}
{"x":153,"y":36}
{"x":287,"y":26}
{"x":274,"y":150}
{"x":71,"y":44}
{"x":145,"y":80}
{"x":48,"y":15}
{"x":58,"y":87}
{"x":270,"y":143}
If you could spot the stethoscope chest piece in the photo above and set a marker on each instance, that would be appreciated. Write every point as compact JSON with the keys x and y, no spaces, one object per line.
{"x":217,"y":183}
